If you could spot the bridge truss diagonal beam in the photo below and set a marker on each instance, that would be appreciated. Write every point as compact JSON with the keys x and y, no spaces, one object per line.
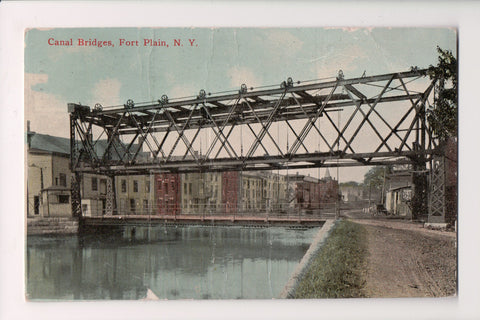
{"x":137,"y":138}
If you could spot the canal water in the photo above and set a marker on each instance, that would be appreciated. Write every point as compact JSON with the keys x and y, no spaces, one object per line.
{"x":190,"y":262}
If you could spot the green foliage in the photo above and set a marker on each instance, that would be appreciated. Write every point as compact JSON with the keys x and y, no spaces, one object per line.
{"x":349,"y":184}
{"x":339,"y":268}
{"x":375,"y":177}
{"x":444,"y":118}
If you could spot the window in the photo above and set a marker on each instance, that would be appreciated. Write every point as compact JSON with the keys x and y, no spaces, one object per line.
{"x":190,"y":188}
{"x":132,"y":205}
{"x":185,"y":187}
{"x":145,"y":204}
{"x":56,"y":181}
{"x":103,"y":186}
{"x":63,"y":198}
{"x":94,"y":184}
{"x":124,"y":185}
{"x":135,"y":186}
{"x":63,"y":179}
{"x":147,"y":186}
{"x":36,"y":205}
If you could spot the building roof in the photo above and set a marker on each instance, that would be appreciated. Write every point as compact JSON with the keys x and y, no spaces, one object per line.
{"x":301,"y":177}
{"x":400,"y":188}
{"x":45,"y":142}
{"x":52,"y":144}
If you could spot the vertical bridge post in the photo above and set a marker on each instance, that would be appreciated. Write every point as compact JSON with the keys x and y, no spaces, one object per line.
{"x":436,"y":210}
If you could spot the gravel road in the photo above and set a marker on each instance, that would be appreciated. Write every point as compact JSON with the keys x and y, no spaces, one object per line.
{"x":407,"y":260}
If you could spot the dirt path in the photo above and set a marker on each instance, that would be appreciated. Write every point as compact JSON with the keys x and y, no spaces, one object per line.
{"x":407,"y":260}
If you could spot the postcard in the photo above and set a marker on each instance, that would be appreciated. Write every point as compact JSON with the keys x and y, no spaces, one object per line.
{"x":221,"y":165}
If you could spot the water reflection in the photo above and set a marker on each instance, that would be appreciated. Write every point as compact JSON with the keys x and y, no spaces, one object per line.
{"x":175,"y":263}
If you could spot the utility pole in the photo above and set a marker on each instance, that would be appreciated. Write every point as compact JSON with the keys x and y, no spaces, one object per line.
{"x":337,"y":209}
{"x":383,"y":186}
{"x":369,"y":194}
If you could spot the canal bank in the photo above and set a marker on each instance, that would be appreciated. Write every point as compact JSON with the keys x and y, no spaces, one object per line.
{"x":292,"y":284}
{"x":52,"y":226}
{"x":65,"y":225}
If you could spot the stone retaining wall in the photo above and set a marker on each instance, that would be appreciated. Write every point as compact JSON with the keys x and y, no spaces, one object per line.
{"x":40,"y":226}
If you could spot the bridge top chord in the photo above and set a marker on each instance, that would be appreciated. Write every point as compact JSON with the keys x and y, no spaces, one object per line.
{"x":294,"y":125}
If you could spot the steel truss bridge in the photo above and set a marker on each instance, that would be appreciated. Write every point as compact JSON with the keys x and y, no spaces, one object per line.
{"x":336,"y":122}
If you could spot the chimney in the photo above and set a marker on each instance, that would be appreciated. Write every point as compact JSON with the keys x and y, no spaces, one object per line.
{"x":30,"y":134}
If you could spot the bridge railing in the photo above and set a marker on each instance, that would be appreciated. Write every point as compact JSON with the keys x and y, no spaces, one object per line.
{"x":257,"y":210}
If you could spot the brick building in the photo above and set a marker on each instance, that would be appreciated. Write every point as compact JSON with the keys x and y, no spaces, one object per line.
{"x":167,"y":193}
{"x":329,"y":189}
{"x":311,"y":194}
{"x":230,"y":191}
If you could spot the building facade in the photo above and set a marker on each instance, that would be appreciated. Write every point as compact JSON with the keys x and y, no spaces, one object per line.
{"x":135,"y":194}
{"x":230,"y":191}
{"x":398,"y":192}
{"x":201,"y":192}
{"x":93,"y":190}
{"x":48,"y":176}
{"x":274,"y":192}
{"x":309,"y":194}
{"x":259,"y":192}
{"x":251,"y":193}
{"x":167,"y":193}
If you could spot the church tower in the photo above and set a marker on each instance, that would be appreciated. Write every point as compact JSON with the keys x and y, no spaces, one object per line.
{"x":327,"y":175}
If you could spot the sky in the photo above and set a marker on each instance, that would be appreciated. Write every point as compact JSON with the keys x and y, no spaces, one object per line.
{"x":213,"y":59}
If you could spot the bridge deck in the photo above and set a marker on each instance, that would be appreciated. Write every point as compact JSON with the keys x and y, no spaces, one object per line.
{"x":205,"y":220}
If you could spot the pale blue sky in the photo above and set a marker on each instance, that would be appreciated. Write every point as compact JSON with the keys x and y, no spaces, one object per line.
{"x":221,"y":59}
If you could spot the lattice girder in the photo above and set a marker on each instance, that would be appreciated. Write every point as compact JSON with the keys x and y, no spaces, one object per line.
{"x":138,"y":138}
{"x":436,"y":201}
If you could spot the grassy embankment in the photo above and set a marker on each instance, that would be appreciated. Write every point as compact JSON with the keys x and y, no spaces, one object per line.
{"x":339,"y":269}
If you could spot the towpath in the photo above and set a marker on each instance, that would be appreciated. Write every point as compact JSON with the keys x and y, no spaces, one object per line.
{"x":407,"y":260}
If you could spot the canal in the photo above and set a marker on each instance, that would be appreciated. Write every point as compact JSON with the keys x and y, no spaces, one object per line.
{"x":188,"y":262}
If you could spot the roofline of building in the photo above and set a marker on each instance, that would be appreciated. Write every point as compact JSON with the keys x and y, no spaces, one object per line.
{"x":42,"y":152}
{"x":398,"y":188}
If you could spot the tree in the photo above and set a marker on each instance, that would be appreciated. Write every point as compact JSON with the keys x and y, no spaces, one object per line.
{"x":444,"y":117}
{"x":349,"y":184}
{"x":375,"y":177}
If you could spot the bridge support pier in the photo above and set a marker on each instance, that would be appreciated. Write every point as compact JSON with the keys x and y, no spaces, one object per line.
{"x":420,"y":192}
{"x":436,"y":212}
{"x":76,"y":196}
{"x":110,"y":199}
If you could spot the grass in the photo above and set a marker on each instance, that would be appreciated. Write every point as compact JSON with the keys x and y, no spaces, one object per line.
{"x":339,"y":269}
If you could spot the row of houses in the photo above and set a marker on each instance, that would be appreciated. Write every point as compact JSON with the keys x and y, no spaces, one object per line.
{"x":49,"y":188}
